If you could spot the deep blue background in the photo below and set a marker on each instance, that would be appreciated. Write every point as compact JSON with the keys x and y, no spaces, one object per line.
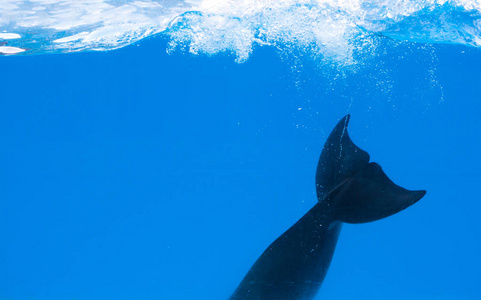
{"x":134,"y":174}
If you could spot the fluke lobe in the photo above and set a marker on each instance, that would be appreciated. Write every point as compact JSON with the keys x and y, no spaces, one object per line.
{"x":350,"y":189}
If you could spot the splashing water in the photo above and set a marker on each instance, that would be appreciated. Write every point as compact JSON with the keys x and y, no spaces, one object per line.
{"x":336,"y":30}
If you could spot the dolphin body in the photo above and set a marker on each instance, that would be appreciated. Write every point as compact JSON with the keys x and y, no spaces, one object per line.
{"x":350,"y":189}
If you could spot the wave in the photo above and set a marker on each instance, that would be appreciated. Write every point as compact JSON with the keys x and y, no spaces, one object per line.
{"x":336,"y":30}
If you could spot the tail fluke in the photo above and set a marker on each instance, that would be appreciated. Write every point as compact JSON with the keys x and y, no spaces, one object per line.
{"x":339,"y":160}
{"x":354,"y":190}
{"x":370,"y":195}
{"x":349,"y":189}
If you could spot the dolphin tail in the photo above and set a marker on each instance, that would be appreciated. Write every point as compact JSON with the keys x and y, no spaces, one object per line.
{"x":353,"y":189}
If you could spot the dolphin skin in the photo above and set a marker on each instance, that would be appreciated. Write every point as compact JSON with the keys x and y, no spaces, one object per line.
{"x":350,"y":189}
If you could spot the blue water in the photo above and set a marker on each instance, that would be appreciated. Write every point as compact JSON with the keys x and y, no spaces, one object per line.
{"x":141,"y":174}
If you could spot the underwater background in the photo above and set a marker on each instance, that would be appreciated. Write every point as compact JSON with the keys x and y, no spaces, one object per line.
{"x":154,"y":149}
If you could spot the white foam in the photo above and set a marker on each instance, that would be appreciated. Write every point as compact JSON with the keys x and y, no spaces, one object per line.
{"x":72,"y":38}
{"x":332,"y":29}
{"x":10,"y":50}
{"x":9,"y":36}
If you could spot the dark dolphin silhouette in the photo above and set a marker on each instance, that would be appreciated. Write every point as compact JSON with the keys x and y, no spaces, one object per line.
{"x":350,"y":189}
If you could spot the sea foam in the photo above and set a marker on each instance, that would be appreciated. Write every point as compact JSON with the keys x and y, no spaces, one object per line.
{"x":335,"y":30}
